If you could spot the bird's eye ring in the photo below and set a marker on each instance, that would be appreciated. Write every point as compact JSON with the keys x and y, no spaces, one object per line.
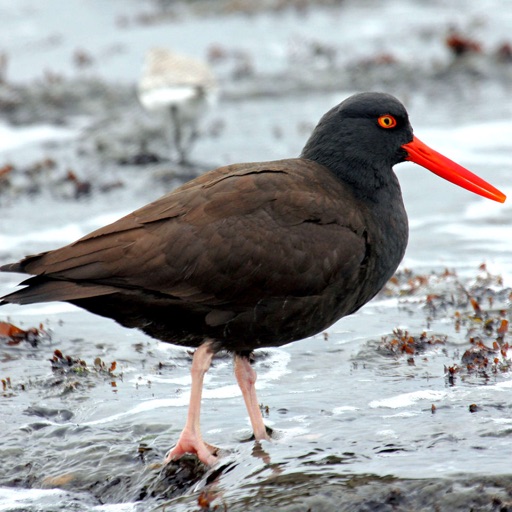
{"x":387,"y":121}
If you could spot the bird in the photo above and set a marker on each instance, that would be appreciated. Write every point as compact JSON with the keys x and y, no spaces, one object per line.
{"x":253,"y":255}
{"x":181,"y":88}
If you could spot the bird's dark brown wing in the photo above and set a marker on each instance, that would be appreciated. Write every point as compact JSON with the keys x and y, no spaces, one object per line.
{"x":221,"y":244}
{"x":261,"y":227}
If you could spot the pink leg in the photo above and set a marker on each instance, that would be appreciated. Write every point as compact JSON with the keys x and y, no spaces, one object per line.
{"x":246,"y":378}
{"x":190,"y":440}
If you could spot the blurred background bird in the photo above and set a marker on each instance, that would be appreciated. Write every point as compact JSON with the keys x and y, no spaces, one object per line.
{"x":181,"y":89}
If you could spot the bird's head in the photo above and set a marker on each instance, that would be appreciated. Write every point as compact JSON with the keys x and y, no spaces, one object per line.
{"x":364,"y":136}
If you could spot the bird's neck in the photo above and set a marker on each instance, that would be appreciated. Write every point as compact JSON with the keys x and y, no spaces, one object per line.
{"x":366,"y":181}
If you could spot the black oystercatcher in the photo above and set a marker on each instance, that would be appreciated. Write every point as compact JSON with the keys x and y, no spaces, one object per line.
{"x":253,"y":255}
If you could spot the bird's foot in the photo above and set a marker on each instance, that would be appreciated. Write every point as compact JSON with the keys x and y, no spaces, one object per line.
{"x":263,"y":435}
{"x":193,"y":443}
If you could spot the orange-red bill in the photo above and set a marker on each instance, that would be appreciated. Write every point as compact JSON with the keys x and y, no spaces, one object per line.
{"x":420,"y":153}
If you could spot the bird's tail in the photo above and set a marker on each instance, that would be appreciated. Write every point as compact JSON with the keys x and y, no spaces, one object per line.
{"x":46,"y":289}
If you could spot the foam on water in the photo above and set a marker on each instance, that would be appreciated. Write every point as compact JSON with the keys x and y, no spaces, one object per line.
{"x":482,"y":209}
{"x":59,"y":235}
{"x":56,"y":236}
{"x":13,"y":137}
{"x":407,"y":399}
{"x":119,"y":507}
{"x":344,"y":408}
{"x":149,"y":405}
{"x":46,"y":309}
{"x":500,"y":386}
{"x":12,"y":500}
{"x":496,"y":237}
{"x":476,"y":140}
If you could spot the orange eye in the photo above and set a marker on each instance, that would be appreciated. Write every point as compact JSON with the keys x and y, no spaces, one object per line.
{"x":387,"y":121}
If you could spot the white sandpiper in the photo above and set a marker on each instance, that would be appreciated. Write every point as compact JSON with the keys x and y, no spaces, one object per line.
{"x":182,"y":89}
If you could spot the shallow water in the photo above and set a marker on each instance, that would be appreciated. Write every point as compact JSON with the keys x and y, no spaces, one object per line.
{"x":354,"y":427}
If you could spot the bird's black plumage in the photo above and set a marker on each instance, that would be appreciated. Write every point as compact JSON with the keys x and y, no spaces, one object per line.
{"x":251,"y":255}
